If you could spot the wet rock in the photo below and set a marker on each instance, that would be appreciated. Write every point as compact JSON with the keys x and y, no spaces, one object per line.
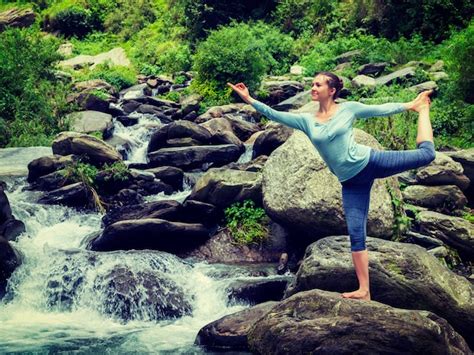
{"x":401,"y":275}
{"x":169,"y":175}
{"x":48,"y":164}
{"x":74,"y":195}
{"x":127,"y":121}
{"x":10,"y":259}
{"x":151,"y":233}
{"x":322,"y":322}
{"x":97,"y":151}
{"x":10,"y":227}
{"x":178,"y":129}
{"x":255,"y":291}
{"x":454,"y":231}
{"x":221,"y":248}
{"x":230,"y":332}
{"x":194,"y":156}
{"x":222,"y":187}
{"x":143,"y":295}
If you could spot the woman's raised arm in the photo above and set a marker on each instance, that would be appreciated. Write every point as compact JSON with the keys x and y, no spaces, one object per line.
{"x":293,"y":120}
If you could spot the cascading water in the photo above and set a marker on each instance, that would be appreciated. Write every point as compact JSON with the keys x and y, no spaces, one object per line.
{"x":58,"y":300}
{"x":67,"y":298}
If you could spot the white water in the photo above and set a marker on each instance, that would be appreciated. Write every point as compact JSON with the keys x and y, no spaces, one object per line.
{"x":54,"y":256}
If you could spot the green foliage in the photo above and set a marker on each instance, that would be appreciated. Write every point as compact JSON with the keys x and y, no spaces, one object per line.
{"x":130,"y":16}
{"x":212,"y":92}
{"x":218,"y":62}
{"x":392,"y":19}
{"x":81,"y":172}
{"x":246,"y":223}
{"x":396,"y":132}
{"x":172,"y":96}
{"x":119,"y":76}
{"x":95,"y":43}
{"x":468,"y":216}
{"x":31,"y":101}
{"x":159,"y":49}
{"x":117,"y":171}
{"x":304,"y":16}
{"x":458,"y":53}
{"x":401,"y":221}
{"x":201,"y":16}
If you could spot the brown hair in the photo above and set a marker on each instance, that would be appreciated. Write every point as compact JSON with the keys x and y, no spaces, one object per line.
{"x":334,"y":82}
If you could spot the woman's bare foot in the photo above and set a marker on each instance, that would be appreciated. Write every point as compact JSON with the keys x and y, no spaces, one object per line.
{"x":359,"y":295}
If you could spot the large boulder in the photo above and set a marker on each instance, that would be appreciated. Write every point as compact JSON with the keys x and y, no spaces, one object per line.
{"x":274,"y":135}
{"x":258,"y":290}
{"x":441,"y":198}
{"x":191,"y":157}
{"x":279,"y":91}
{"x":302,"y":194}
{"x":320,"y":322}
{"x":178,"y":129}
{"x":90,"y":121}
{"x":443,"y":171}
{"x":396,"y":76}
{"x":115,"y":56}
{"x":144,"y":295}
{"x":454,"y":231}
{"x":74,"y":195}
{"x":97,"y":151}
{"x":466,"y":159}
{"x":222,"y":187}
{"x":48,"y":164}
{"x":222,"y":248}
{"x":230,"y":332}
{"x":16,"y":18}
{"x":10,"y":227}
{"x":150,"y":233}
{"x":401,"y":275}
{"x":9,"y":260}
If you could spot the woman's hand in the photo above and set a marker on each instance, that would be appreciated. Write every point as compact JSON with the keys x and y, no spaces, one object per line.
{"x":421,"y":102}
{"x":241,"y":90}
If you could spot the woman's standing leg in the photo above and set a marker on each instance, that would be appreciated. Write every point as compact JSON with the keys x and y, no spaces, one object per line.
{"x":356,"y":200}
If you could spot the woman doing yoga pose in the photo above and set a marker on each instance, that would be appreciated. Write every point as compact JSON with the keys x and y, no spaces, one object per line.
{"x":356,"y":166}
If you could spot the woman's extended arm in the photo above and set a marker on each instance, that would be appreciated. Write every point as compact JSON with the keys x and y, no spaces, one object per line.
{"x":293,"y":120}
{"x":364,"y":111}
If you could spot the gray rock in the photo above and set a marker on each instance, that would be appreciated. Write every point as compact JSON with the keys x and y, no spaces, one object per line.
{"x":97,"y":151}
{"x":438,"y":75}
{"x":301,"y":193}
{"x":454,"y":231}
{"x":195,"y":156}
{"x":438,"y":66}
{"x":363,"y":81}
{"x":273,"y":137}
{"x":47,"y":164}
{"x":395,"y":76}
{"x":372,"y":68}
{"x":230,"y":332}
{"x":320,"y":322}
{"x":443,"y":171}
{"x":294,"y":102}
{"x":347,"y":56}
{"x":428,"y":85}
{"x":116,"y":56}
{"x":422,"y":240}
{"x":90,"y":121}
{"x":442,"y":198}
{"x":221,"y":248}
{"x":16,"y":18}
{"x":150,"y":233}
{"x":401,"y":275}
{"x":10,"y":259}
{"x":258,"y":290}
{"x":74,"y":195}
{"x":222,"y":187}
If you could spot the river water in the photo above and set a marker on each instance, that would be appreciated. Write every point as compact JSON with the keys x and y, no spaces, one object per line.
{"x":57,"y":300}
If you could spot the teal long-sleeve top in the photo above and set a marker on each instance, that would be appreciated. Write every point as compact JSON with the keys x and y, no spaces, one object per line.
{"x":334,"y":139}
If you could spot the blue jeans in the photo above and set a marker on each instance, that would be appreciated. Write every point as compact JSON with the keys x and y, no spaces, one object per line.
{"x":356,"y":190}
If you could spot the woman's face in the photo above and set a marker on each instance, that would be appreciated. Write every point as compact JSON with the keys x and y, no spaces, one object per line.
{"x":320,"y":89}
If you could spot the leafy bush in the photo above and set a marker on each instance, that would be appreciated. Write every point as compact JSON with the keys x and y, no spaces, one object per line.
{"x":393,"y":19}
{"x":94,"y":43}
{"x":75,"y":21}
{"x":246,"y":222}
{"x":218,"y":62}
{"x":119,"y":76}
{"x":458,"y":54}
{"x":130,"y":16}
{"x":31,"y":101}
{"x":117,"y":171}
{"x":212,"y":92}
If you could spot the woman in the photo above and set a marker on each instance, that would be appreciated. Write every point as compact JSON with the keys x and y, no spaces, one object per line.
{"x":355,"y":165}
